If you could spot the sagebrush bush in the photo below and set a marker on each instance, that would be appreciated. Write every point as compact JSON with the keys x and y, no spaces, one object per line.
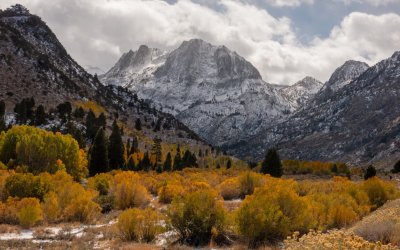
{"x":25,"y":185}
{"x":29,"y":212}
{"x":249,"y":181}
{"x":379,"y":191}
{"x":273,"y":212}
{"x":335,"y":239}
{"x":230,"y":189}
{"x":128,"y":192}
{"x":140,"y":225}
{"x":168,"y":192}
{"x":101,"y":183}
{"x":197,"y":216}
{"x":8,"y":211}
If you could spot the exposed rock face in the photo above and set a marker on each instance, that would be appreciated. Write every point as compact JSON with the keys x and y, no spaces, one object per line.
{"x":211,"y":89}
{"x":359,"y":123}
{"x":34,"y":63}
{"x":346,"y":73}
{"x":298,"y":94}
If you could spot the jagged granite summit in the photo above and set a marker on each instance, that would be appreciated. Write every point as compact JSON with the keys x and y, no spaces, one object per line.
{"x":358,"y":123}
{"x":211,"y":89}
{"x":298,"y":94}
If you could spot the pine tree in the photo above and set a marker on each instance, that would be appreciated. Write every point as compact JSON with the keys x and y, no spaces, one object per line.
{"x":91,"y":125}
{"x":396,"y":167}
{"x":79,"y":113}
{"x":146,"y":164}
{"x":168,"y":163}
{"x":189,"y":160}
{"x":99,"y":154}
{"x":131,"y":164}
{"x":2,"y":115}
{"x":134,"y":145}
{"x":156,"y":151}
{"x":128,"y":146}
{"x":76,"y":134}
{"x":64,"y":110}
{"x":116,"y":148}
{"x":138,"y":124}
{"x":370,"y":172}
{"x":101,"y":121}
{"x":40,"y":116}
{"x":24,"y":110}
{"x":272,"y":164}
{"x":229,"y":164}
{"x":178,"y":160}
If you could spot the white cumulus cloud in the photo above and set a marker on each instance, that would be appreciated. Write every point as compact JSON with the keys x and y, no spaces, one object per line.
{"x":97,"y":33}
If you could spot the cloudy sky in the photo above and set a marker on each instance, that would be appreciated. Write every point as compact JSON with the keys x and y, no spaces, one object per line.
{"x":285,"y":39}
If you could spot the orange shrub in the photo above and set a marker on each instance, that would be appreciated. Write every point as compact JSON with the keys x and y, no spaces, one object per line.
{"x":169,"y":191}
{"x":29,"y":212}
{"x":139,"y":225}
{"x":128,"y":192}
{"x":230,"y":189}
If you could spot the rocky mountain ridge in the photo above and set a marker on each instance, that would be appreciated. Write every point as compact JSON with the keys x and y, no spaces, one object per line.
{"x":358,"y":123}
{"x":211,"y":89}
{"x":34,"y":63}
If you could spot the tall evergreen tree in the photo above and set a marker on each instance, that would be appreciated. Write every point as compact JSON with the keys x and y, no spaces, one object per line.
{"x":2,"y":115}
{"x":131,"y":164}
{"x":134,"y":145}
{"x":370,"y":172}
{"x":64,"y":110}
{"x":128,"y":146}
{"x":189,"y":160}
{"x":138,"y":124}
{"x":91,"y":128}
{"x":229,"y":164}
{"x":145,"y":163}
{"x":396,"y":167}
{"x":156,"y":151}
{"x":24,"y":110}
{"x":99,"y":154}
{"x":168,"y":163}
{"x":116,"y":148}
{"x":101,"y":121}
{"x":79,"y":113}
{"x":178,"y":159}
{"x":272,"y":164}
{"x":40,"y":116}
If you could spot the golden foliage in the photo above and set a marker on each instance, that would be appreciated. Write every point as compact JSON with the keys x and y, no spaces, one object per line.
{"x":169,"y":191}
{"x":197,"y":215}
{"x":91,"y":105}
{"x":139,"y":225}
{"x":128,"y":191}
{"x":29,"y":212}
{"x":43,"y":151}
{"x":335,"y":239}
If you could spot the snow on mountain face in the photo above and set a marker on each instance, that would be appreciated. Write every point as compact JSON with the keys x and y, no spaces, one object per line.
{"x":211,"y":89}
{"x":134,"y":66}
{"x":298,"y":94}
{"x":359,"y":123}
{"x":343,"y":75}
{"x":39,"y":35}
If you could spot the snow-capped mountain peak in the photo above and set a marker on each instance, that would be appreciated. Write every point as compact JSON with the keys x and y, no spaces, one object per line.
{"x":343,"y":75}
{"x":298,"y":94}
{"x":211,"y":89}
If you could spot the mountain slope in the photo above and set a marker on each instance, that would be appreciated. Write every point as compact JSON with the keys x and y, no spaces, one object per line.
{"x":211,"y":89}
{"x":34,"y":63}
{"x":359,"y":123}
{"x":298,"y":94}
